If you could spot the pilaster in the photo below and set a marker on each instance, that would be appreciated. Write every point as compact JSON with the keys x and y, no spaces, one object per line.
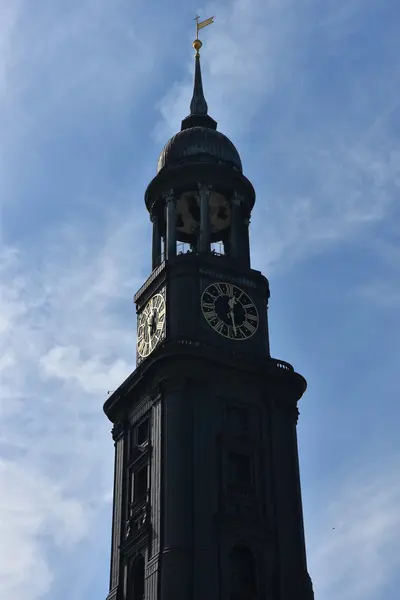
{"x":205,"y":225}
{"x":170,"y":207}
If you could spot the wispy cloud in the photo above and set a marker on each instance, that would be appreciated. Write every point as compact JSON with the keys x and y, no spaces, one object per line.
{"x":64,"y":345}
{"x":323,"y":165}
{"x":36,"y":511}
{"x":75,"y":155}
{"x":354,"y":541}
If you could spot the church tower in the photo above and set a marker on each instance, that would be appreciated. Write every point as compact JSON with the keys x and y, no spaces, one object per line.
{"x":207,"y":501}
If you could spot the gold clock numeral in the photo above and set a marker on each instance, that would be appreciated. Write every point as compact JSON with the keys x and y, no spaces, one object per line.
{"x":240,"y":333}
{"x":219,"y":289}
{"x":219,"y":326}
{"x":142,"y":348}
{"x":210,"y":315}
{"x":249,"y":326}
{"x":251,"y":317}
{"x":208,"y":305}
{"x":229,"y":289}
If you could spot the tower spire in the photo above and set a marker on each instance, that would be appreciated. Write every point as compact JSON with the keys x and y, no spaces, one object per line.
{"x":198,"y":106}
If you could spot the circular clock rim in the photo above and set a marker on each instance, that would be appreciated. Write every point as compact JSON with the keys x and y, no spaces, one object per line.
{"x":244,"y":292}
{"x":139,"y":316}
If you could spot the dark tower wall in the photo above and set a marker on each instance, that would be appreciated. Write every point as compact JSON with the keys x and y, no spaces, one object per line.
{"x":224,"y":475}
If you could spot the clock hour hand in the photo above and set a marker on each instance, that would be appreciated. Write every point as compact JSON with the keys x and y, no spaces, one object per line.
{"x":231,"y":314}
{"x":151,"y":323}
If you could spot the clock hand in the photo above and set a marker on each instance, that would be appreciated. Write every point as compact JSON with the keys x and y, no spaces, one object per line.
{"x":148,"y":323}
{"x":231,"y":302}
{"x":151,"y":323}
{"x":231,"y":314}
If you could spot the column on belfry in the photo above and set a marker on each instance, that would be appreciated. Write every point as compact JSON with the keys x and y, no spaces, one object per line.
{"x":156,"y":245}
{"x":245,"y":257}
{"x":205,"y":224}
{"x":170,"y":209}
{"x":236,"y":225}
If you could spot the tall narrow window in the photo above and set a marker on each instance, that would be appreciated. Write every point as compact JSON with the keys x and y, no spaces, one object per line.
{"x":239,"y":470}
{"x":142,"y":435}
{"x":238,"y":419}
{"x":139,"y":438}
{"x":242,"y":574}
{"x":136,"y":580}
{"x":140,"y":483}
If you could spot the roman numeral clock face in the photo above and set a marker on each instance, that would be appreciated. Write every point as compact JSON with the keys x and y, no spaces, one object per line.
{"x":229,"y":311}
{"x":151,"y":325}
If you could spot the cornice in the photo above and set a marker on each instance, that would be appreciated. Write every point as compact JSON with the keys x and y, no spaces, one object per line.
{"x":195,"y":359}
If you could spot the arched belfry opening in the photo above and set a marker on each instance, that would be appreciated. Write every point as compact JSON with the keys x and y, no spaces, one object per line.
{"x":136,"y":579}
{"x":200,"y":219}
{"x":243,"y":574}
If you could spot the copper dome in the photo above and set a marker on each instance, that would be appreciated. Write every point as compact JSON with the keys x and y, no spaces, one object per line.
{"x":199,"y":144}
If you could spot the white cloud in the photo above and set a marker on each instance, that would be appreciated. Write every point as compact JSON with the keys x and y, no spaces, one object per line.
{"x":333,"y":172}
{"x":246,"y":46}
{"x":67,"y":319}
{"x":64,"y":345}
{"x":351,"y":188}
{"x":36,"y":513}
{"x":92,"y":375}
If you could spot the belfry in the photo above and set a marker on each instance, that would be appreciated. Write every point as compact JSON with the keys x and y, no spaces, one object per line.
{"x":207,"y":501}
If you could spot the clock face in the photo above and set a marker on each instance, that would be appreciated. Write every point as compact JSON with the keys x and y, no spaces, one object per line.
{"x":229,"y":311}
{"x":151,"y":325}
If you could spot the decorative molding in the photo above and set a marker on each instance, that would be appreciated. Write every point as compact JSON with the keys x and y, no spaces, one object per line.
{"x":228,"y":277}
{"x":149,"y":281}
{"x":114,"y":594}
{"x":139,"y":456}
{"x":132,"y":548}
{"x":242,"y":510}
{"x":152,"y":565}
{"x":118,"y":430}
{"x":169,"y":196}
{"x":175,"y":384}
{"x":237,"y":199}
{"x":204,"y":188}
{"x":139,"y":518}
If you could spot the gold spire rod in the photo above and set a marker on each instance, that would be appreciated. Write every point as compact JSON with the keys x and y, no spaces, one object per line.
{"x":197,"y":44}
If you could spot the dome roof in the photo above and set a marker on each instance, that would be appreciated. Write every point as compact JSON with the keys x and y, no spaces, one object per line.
{"x":199,"y":144}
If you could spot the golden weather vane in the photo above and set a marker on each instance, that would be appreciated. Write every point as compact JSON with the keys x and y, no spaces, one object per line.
{"x":197,"y":44}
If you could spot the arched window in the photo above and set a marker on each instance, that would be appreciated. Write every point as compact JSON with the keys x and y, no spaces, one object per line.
{"x":242,"y":574}
{"x":136,"y":580}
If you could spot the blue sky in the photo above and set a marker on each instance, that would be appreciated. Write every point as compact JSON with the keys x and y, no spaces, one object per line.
{"x":89,"y":93}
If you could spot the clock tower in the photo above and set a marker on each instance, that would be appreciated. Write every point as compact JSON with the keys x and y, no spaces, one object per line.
{"x":207,"y":500}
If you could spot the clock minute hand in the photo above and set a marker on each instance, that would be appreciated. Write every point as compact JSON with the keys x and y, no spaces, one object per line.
{"x":148,"y":323}
{"x":151,"y":322}
{"x":231,"y":314}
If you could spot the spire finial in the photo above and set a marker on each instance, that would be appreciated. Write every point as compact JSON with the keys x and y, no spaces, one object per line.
{"x":198,"y":106}
{"x":197,"y":44}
